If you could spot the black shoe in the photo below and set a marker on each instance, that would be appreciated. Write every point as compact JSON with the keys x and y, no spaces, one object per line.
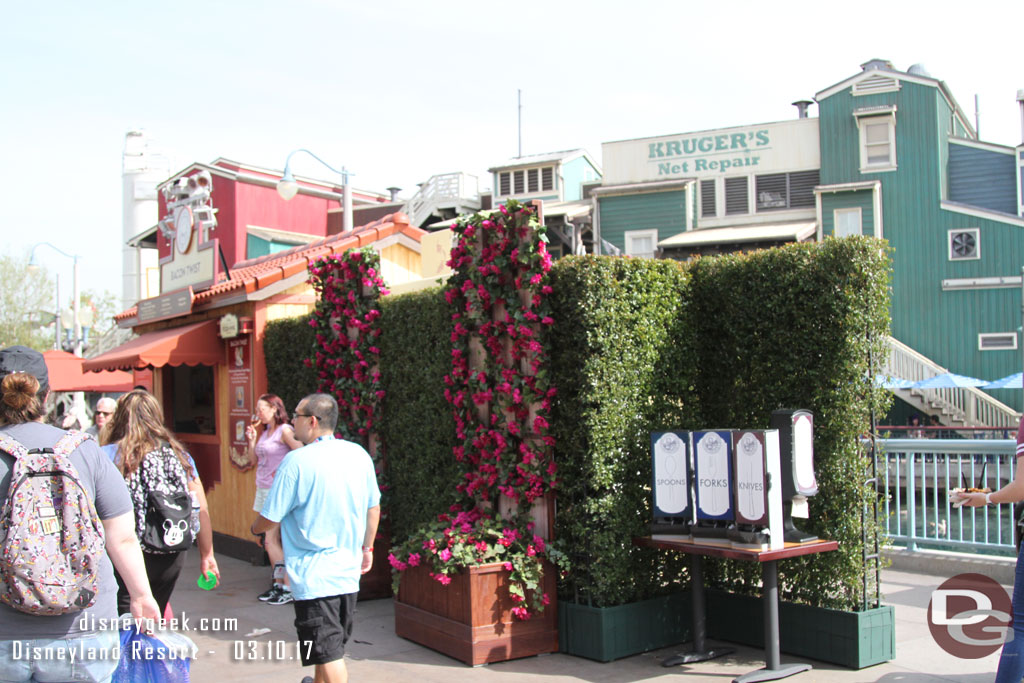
{"x":307,"y":679}
{"x":268,"y":594}
{"x":282,"y":597}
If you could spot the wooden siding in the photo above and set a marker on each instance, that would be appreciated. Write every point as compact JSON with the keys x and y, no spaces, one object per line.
{"x":863,"y":199}
{"x":982,"y":178}
{"x":399,"y":263}
{"x":942,"y":325}
{"x":661,"y":211}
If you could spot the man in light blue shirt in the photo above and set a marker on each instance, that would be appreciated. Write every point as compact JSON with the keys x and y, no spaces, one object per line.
{"x":326,"y":501}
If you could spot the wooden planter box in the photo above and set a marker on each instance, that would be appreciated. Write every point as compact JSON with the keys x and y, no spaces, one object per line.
{"x":607,"y":633}
{"x":470,"y":618}
{"x":851,"y":639}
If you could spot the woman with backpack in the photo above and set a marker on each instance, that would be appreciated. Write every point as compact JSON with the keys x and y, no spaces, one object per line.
{"x":275,"y":441}
{"x":80,"y":617}
{"x":165,"y":487}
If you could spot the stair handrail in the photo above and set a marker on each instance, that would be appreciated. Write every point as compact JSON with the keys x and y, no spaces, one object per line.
{"x":968,"y":403}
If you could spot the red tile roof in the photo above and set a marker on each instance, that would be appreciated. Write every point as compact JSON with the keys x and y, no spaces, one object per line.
{"x":255,"y":274}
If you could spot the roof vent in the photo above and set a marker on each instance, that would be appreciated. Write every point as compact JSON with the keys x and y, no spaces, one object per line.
{"x":394,"y":193}
{"x":801,"y":107}
{"x":876,"y":64}
{"x":918,"y":70}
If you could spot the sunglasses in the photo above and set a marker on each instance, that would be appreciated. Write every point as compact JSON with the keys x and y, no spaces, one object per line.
{"x":297,"y":415}
{"x":108,"y":413}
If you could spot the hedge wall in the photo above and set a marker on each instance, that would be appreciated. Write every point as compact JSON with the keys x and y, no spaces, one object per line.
{"x":647,"y":345}
{"x":796,"y":327}
{"x":286,"y":344}
{"x":417,"y":427}
{"x":623,"y":365}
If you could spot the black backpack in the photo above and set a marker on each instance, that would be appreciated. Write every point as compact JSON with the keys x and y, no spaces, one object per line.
{"x":163,"y":505}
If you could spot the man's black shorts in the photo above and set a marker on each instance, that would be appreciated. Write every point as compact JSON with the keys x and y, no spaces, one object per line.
{"x":324,"y":626}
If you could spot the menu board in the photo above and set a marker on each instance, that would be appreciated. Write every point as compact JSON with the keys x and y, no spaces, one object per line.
{"x":241,"y":402}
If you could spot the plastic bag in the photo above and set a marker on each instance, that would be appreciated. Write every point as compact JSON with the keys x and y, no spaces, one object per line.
{"x":163,"y":657}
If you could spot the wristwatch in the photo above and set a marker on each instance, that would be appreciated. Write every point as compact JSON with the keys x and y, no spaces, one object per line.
{"x":988,"y":498}
{"x":367,"y":549}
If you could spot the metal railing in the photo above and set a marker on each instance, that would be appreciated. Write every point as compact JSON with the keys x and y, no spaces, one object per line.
{"x":915,"y":477}
{"x":967,"y":405}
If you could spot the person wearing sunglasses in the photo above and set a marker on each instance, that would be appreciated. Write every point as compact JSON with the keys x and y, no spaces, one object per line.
{"x":326,"y":502}
{"x":104,"y":409}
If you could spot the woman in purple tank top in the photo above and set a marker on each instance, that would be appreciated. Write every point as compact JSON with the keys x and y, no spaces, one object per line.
{"x":267,"y":451}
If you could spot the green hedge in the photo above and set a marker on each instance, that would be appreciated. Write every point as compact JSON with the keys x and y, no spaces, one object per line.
{"x":642,"y":346}
{"x":286,"y":344}
{"x":417,"y":426}
{"x":796,"y":327}
{"x":623,"y":366}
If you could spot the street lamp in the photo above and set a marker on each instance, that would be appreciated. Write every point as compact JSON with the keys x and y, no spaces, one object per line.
{"x":288,"y":188}
{"x":32,"y":264}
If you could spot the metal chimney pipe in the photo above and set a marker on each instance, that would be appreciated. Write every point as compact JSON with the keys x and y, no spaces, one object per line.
{"x":801,"y":107}
{"x":394,"y":193}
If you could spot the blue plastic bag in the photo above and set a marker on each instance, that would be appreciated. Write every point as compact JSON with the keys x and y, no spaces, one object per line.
{"x":163,"y":657}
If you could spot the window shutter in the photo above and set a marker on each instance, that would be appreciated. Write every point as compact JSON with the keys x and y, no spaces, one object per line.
{"x":531,"y":180}
{"x":504,"y":183}
{"x":801,"y":189}
{"x":735,"y":195}
{"x":707,"y":198}
{"x":517,"y":178}
{"x":771,"y":192}
{"x":547,"y":178}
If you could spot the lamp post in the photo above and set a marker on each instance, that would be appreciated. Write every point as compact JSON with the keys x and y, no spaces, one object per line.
{"x":75,"y":303}
{"x":287,"y":187}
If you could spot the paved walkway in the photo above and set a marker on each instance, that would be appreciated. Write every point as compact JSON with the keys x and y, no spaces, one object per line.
{"x":377,"y":654}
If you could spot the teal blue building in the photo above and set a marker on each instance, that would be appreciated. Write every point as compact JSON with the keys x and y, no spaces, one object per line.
{"x":891,"y":154}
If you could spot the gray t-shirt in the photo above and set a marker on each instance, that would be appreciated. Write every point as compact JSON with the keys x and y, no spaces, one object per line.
{"x":106,"y":487}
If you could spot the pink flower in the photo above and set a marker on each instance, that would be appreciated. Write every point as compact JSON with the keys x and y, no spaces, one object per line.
{"x":521,"y":613}
{"x":445,"y":555}
{"x":414,"y":559}
{"x":508,"y":566}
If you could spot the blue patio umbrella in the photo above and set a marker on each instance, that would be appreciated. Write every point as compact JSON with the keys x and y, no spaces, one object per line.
{"x":949,"y":380}
{"x":1009,"y":382}
{"x":892,"y":383}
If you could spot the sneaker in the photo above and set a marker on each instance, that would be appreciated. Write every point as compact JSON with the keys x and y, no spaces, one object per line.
{"x":307,"y":679}
{"x":268,"y":594}
{"x":282,"y":597}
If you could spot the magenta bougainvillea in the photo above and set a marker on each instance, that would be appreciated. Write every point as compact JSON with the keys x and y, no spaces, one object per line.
{"x":497,"y":386}
{"x":346,"y":356}
{"x":501,"y":399}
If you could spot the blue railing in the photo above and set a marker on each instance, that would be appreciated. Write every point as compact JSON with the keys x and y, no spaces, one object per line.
{"x":917,"y":474}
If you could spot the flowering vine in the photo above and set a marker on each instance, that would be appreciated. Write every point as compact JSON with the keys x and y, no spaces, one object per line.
{"x":497,"y":387}
{"x":501,"y":400}
{"x":346,"y":355}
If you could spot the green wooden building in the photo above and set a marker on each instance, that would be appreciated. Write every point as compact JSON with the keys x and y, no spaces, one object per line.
{"x":891,"y":154}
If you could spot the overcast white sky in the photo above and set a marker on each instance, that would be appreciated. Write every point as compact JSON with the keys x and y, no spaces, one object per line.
{"x":399,"y":91}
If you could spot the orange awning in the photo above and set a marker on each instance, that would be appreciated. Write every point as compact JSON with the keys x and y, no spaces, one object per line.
{"x":66,"y":374}
{"x":195,"y":344}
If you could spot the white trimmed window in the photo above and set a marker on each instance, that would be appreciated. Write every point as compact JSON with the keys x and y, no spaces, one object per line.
{"x":847,"y":222}
{"x":997,"y":341}
{"x":877,"y":139}
{"x":965,"y":244}
{"x":526,"y":181}
{"x":641,"y":243}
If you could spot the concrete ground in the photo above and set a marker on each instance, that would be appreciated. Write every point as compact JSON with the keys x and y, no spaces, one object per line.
{"x":265,"y":633}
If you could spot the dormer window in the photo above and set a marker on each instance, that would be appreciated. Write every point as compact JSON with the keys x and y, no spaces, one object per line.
{"x":526,"y":181}
{"x":877,"y":138}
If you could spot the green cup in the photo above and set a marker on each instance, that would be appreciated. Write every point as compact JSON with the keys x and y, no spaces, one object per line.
{"x":207,"y":583}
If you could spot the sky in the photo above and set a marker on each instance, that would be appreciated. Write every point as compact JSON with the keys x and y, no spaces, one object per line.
{"x":399,"y":91}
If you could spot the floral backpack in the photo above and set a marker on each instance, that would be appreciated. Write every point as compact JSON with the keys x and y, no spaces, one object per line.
{"x":51,"y":539}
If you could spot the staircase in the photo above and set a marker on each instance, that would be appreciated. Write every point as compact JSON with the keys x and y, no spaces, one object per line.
{"x":957,"y":407}
{"x":444,"y":196}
